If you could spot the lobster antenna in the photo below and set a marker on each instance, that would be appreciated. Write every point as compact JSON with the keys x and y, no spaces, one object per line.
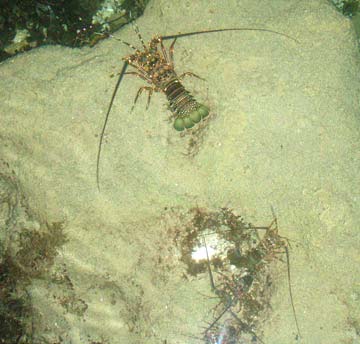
{"x":121,"y":75}
{"x":229,"y":29}
{"x":208,"y":266}
{"x":290,"y":290}
{"x":289,"y":276}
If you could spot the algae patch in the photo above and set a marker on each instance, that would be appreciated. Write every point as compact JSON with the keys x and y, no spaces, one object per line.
{"x":239,"y":259}
{"x":28,"y":247}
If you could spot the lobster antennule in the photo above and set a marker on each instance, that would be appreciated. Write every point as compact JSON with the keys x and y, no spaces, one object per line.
{"x":122,"y":41}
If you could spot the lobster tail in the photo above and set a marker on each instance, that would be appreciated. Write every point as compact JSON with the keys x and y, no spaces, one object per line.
{"x":182,"y":104}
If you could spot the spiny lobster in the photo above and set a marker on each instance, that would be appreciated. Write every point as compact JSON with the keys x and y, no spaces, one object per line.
{"x":154,"y":65}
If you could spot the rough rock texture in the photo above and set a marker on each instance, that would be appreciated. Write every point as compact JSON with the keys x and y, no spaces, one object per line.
{"x":285,"y":132}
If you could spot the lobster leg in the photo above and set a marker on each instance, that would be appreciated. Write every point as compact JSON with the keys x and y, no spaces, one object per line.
{"x":181,"y":76}
{"x":171,"y":50}
{"x":140,"y":75}
{"x":141,"y":89}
